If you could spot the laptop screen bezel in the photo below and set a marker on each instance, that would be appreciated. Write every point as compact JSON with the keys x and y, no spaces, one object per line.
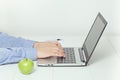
{"x":84,"y":47}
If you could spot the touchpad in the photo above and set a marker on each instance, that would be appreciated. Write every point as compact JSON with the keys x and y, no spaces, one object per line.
{"x":49,"y":60}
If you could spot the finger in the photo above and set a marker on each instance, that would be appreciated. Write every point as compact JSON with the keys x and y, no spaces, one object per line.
{"x":57,"y":49}
{"x":61,"y":50}
{"x":60,"y":46}
{"x":57,"y":54}
{"x":54,"y":51}
{"x":61,"y":54}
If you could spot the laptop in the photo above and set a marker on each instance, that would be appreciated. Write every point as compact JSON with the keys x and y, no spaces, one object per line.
{"x":76,"y":56}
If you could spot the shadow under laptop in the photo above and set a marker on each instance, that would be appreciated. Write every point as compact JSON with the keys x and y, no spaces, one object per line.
{"x":102,"y":52}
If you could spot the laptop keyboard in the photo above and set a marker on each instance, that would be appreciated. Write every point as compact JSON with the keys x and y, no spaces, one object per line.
{"x":70,"y":56}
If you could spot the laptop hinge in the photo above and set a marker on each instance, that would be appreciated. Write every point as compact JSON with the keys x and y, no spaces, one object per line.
{"x":82,"y":55}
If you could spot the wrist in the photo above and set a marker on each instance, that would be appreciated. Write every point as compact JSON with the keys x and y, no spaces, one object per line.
{"x":36,"y":44}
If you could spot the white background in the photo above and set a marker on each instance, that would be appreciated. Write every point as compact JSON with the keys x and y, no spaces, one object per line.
{"x":57,"y":17}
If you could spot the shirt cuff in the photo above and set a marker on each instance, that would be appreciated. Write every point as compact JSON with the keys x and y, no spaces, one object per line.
{"x":31,"y":53}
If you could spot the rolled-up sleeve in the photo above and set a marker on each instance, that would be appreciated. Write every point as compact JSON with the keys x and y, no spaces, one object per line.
{"x":14,"y":55}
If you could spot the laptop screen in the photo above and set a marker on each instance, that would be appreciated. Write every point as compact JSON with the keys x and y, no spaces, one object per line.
{"x":94,"y":36}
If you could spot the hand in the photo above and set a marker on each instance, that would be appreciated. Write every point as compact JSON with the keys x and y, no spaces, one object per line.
{"x":48,"y":49}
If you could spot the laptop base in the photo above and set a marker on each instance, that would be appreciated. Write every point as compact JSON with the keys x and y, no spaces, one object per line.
{"x":53,"y":61}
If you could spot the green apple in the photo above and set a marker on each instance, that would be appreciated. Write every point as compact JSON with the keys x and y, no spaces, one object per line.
{"x":26,"y":66}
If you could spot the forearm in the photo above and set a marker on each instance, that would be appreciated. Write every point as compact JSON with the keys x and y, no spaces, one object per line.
{"x":13,"y":55}
{"x":10,"y":41}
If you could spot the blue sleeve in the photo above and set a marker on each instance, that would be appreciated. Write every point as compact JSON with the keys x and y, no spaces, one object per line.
{"x":10,"y":41}
{"x":14,"y":55}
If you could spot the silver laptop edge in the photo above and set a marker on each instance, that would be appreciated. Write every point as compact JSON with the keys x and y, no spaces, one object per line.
{"x":82,"y":55}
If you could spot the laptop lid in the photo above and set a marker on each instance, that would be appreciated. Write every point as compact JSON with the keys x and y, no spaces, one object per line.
{"x":94,"y":36}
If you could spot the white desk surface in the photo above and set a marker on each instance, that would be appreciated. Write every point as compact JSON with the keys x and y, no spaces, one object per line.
{"x":104,"y":64}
